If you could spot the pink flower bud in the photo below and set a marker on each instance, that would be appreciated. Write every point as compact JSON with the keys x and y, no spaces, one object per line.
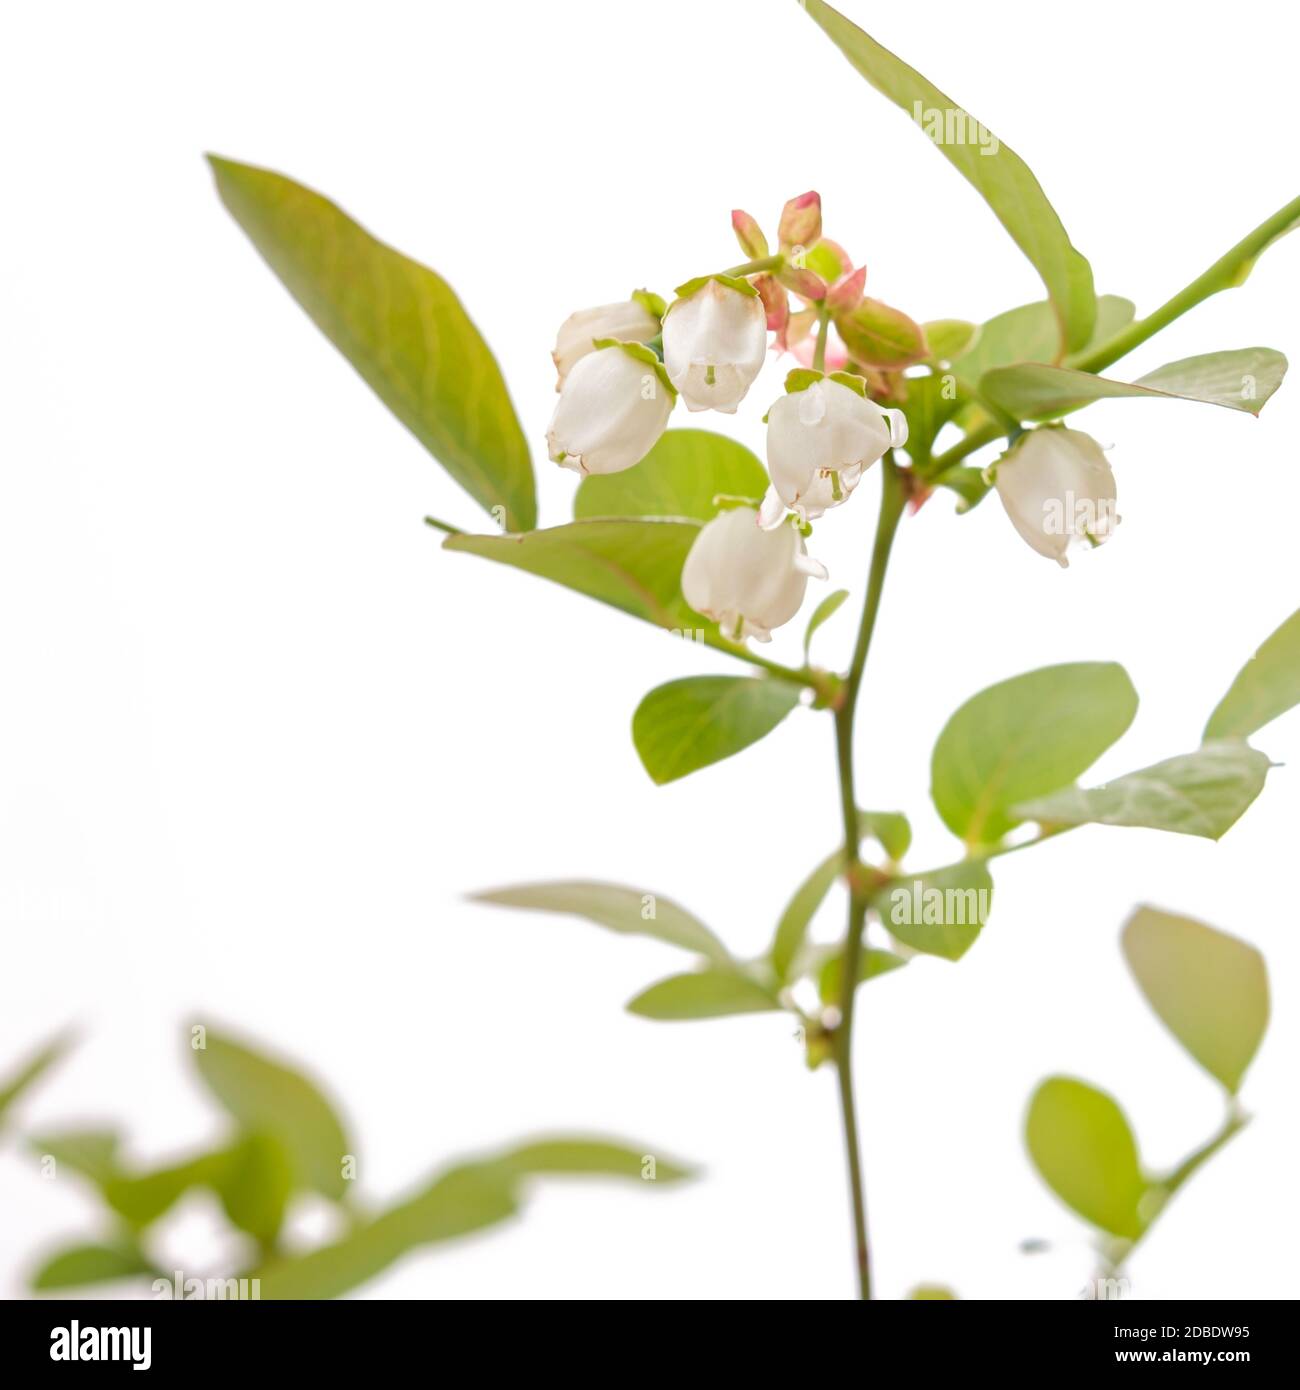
{"x":801,"y":221}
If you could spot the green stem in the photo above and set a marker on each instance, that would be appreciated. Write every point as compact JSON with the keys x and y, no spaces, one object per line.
{"x":443,"y":526}
{"x":1227,"y":271}
{"x":756,"y":267}
{"x":891,"y":511}
{"x":823,"y":330}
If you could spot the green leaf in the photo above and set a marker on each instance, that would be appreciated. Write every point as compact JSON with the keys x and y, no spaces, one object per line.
{"x":458,"y":1202}
{"x":1240,"y":380}
{"x":1208,"y":988}
{"x":1202,"y":793}
{"x":635,"y":565}
{"x":470,"y":1197}
{"x":142,"y":1198}
{"x":872,"y":963}
{"x":827,"y":608}
{"x":268,"y":1098}
{"x":1025,"y":737}
{"x":691,"y":723}
{"x":255,"y":1185}
{"x":799,"y":912}
{"x":80,"y":1265}
{"x":576,"y":1157}
{"x":703,"y":994}
{"x":1085,"y":1152}
{"x":31,"y":1070}
{"x":891,"y":829}
{"x":90,"y":1152}
{"x":949,"y":338}
{"x":680,"y":477}
{"x":940,"y":912}
{"x":881,"y":336}
{"x":999,"y":175}
{"x":630,"y":911}
{"x":970,"y":485}
{"x":927,"y":1293}
{"x":1268,"y":685}
{"x":1030,"y":333}
{"x":399,"y":325}
{"x":931,"y":402}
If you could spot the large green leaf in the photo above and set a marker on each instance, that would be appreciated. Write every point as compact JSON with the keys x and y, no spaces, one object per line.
{"x":998,"y":174}
{"x":940,"y":912}
{"x":1085,"y":1152}
{"x":689,"y":724}
{"x":141,"y":1198}
{"x":1268,"y":685}
{"x":80,"y":1265}
{"x":633,"y":564}
{"x":267,"y":1097}
{"x":631,"y":911}
{"x":1243,"y":379}
{"x":90,"y":1152}
{"x":872,"y":963}
{"x":711,"y":993}
{"x":1202,"y":793}
{"x":400,"y":325}
{"x":1208,"y":988}
{"x":1029,"y":333}
{"x":31,"y":1070}
{"x":1025,"y":737}
{"x":680,"y":477}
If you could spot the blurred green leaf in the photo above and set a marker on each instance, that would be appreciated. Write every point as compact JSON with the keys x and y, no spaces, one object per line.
{"x":940,"y":912}
{"x":931,"y":1293}
{"x":890,"y":828}
{"x":1240,"y":380}
{"x":31,"y":1070}
{"x":1208,"y":988}
{"x":799,"y":912}
{"x":997,"y":173}
{"x":872,"y":963}
{"x":267,"y":1097}
{"x":255,"y":1185}
{"x":90,"y":1152}
{"x":1202,"y":793}
{"x":1023,"y":738}
{"x":680,"y":477}
{"x":627,"y":910}
{"x":1085,"y":1152}
{"x":712,"y":993}
{"x":827,"y":608}
{"x":561,"y":1156}
{"x":692,"y":723}
{"x":80,"y":1265}
{"x":1268,"y":685}
{"x":635,"y":565}
{"x":142,"y":1198}
{"x":470,"y":1197}
{"x":400,"y":325}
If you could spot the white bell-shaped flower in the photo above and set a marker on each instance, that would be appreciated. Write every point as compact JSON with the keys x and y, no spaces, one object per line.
{"x":715,"y":340}
{"x":614,"y":406}
{"x":1058,"y":489}
{"x":630,"y":322}
{"x":820,"y":441}
{"x":748,"y":580}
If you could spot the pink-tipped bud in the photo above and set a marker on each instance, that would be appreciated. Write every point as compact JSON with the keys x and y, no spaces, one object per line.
{"x":801,"y":221}
{"x":750,"y":235}
{"x":803,"y":282}
{"x":775,"y":302}
{"x":846,"y":295}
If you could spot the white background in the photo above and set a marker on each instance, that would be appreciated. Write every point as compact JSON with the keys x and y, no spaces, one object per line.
{"x":260,"y":735}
